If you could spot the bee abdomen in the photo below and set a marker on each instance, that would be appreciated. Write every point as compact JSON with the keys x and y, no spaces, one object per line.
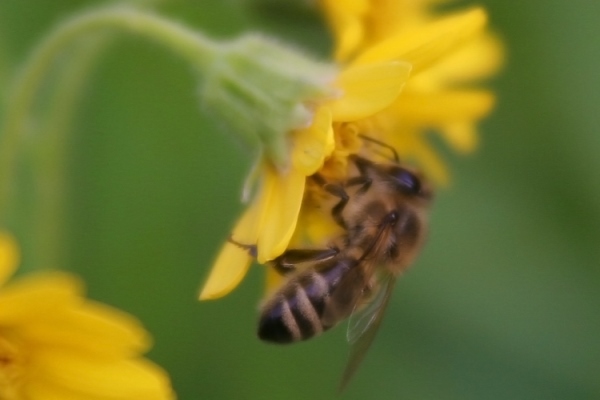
{"x":295,"y":312}
{"x":290,"y":320}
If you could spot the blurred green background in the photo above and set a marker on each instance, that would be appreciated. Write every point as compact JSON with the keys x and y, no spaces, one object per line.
{"x":504,"y":302}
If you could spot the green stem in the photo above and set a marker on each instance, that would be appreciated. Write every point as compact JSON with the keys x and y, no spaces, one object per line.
{"x":195,"y":49}
{"x":50,"y":155}
{"x":5,"y":64}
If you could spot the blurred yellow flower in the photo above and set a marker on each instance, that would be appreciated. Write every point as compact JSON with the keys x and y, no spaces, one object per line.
{"x":55,"y":344}
{"x":379,"y":44}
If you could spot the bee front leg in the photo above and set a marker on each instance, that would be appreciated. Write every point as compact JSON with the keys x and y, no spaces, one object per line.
{"x":290,"y":259}
{"x":362,"y":180}
{"x":337,"y":191}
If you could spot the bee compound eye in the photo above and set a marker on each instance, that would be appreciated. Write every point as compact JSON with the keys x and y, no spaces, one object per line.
{"x":407,"y":181}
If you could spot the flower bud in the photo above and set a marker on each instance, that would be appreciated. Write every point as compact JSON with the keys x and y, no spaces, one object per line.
{"x":263,"y":90}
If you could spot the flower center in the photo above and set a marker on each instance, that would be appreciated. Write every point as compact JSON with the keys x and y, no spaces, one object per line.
{"x":11,"y":370}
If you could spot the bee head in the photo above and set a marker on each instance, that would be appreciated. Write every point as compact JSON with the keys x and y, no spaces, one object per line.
{"x":409,"y":183}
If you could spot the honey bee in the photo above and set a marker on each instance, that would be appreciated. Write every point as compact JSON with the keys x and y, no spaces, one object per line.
{"x":383,"y":213}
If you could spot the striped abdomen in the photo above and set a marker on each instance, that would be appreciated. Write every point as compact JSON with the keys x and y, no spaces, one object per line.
{"x":295,"y":312}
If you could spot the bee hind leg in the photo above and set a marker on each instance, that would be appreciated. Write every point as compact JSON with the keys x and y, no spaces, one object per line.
{"x":288,"y":261}
{"x":250,"y":248}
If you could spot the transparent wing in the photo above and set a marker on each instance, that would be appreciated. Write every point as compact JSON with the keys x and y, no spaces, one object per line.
{"x":363,"y":326}
{"x":365,"y":314}
{"x":347,"y":294}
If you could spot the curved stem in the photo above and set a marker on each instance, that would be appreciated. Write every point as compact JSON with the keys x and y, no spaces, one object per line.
{"x":50,"y":153}
{"x":194,"y":48}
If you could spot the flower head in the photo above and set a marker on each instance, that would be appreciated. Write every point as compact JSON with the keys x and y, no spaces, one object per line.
{"x":449,"y":55}
{"x":403,"y":72}
{"x":55,"y":344}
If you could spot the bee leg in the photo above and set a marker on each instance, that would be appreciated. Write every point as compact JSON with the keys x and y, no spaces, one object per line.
{"x":337,"y":191}
{"x":362,"y":164}
{"x":336,"y":211}
{"x":287,"y":262}
{"x":362,"y":180}
{"x":250,"y":248}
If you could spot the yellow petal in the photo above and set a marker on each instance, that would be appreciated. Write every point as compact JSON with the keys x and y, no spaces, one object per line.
{"x":284,"y":207}
{"x":37,"y":295}
{"x":348,"y":40}
{"x":367,"y":89}
{"x":319,"y":227}
{"x":313,"y":144}
{"x":345,"y":19}
{"x":424,"y":45}
{"x":412,"y":146}
{"x":233,"y":261}
{"x":461,"y":136}
{"x":274,"y":280}
{"x":388,"y":17}
{"x":69,"y":373}
{"x":248,"y":227}
{"x":39,"y":390}
{"x":9,"y":256}
{"x":479,"y":58}
{"x":90,"y":328}
{"x":432,"y":165}
{"x":442,"y":107}
{"x":227,"y":272}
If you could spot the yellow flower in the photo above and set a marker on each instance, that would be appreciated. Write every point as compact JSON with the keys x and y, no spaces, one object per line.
{"x":440,"y":95}
{"x":270,"y":220}
{"x":357,"y":23}
{"x":376,"y":98}
{"x":55,"y":344}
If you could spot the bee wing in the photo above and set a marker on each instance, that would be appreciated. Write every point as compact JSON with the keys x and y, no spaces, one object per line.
{"x":363,"y":326}
{"x":347,"y":294}
{"x":365,"y":314}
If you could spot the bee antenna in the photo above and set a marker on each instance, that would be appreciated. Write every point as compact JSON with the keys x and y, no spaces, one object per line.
{"x":382,"y":144}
